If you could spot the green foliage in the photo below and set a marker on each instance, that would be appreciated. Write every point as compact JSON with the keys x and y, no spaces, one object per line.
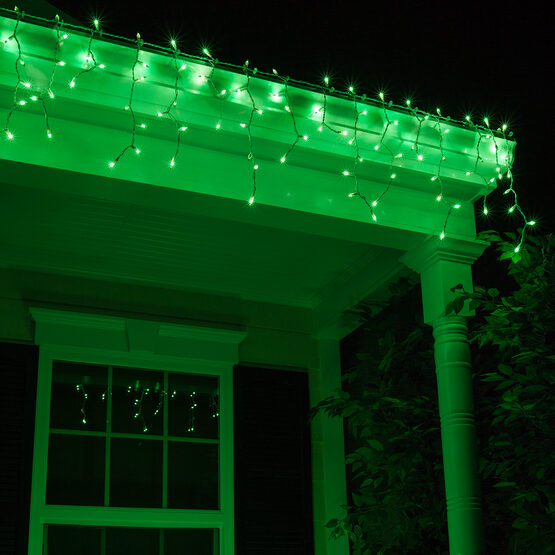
{"x":513,"y":340}
{"x":389,"y":404}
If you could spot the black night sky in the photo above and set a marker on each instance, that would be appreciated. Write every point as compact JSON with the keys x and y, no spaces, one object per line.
{"x":485,"y":58}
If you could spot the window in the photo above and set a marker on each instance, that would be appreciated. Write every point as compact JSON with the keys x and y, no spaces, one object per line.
{"x":132,"y":449}
{"x":128,"y":437}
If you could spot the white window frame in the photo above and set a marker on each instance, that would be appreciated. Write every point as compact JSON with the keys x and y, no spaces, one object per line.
{"x":114,"y":341}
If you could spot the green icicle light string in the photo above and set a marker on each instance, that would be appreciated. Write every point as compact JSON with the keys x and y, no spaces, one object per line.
{"x":420,"y":116}
{"x":90,"y":57}
{"x":220,"y":94}
{"x":325,"y":90}
{"x":357,"y":157}
{"x":248,"y":125}
{"x":179,"y":128}
{"x":84,"y":396}
{"x":288,"y":109}
{"x":19,"y":61}
{"x":131,"y":145}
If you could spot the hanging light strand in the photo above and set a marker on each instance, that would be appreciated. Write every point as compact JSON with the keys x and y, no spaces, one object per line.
{"x":138,"y":407}
{"x":192,"y":411}
{"x":288,"y":108}
{"x":129,"y":107}
{"x":437,"y":176}
{"x":421,"y":118}
{"x":162,"y":394}
{"x":179,"y":127}
{"x":59,"y":38}
{"x":358,"y":158}
{"x":451,"y":208}
{"x":217,"y":93}
{"x":214,"y":406}
{"x":19,"y":61}
{"x":324,"y":109}
{"x":248,"y":125}
{"x":515,"y":206}
{"x":482,"y":131}
{"x":84,"y":396}
{"x":90,"y":54}
{"x":391,"y":175}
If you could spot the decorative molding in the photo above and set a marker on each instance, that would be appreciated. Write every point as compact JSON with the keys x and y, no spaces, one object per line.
{"x":450,"y":249}
{"x":130,"y":335}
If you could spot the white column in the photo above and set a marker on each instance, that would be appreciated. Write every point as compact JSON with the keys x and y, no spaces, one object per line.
{"x":328,"y":452}
{"x":443,"y":265}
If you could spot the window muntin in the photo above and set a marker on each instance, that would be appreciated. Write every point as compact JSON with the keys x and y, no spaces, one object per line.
{"x":128,"y":437}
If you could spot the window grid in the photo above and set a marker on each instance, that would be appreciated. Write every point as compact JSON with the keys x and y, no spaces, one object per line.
{"x":108,"y":434}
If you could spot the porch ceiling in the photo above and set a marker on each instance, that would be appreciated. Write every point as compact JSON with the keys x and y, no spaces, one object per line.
{"x":52,"y":231}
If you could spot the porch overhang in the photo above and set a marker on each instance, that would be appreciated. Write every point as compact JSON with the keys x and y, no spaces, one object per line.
{"x":201,"y":203}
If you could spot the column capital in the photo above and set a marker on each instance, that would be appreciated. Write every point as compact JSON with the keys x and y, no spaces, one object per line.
{"x":443,"y":264}
{"x":450,"y":249}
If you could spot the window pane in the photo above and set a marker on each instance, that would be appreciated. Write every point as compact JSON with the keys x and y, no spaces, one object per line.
{"x":191,"y":542}
{"x":132,"y":541}
{"x":136,"y":473}
{"x":78,"y":396}
{"x":75,"y":470}
{"x":69,"y":540}
{"x":137,"y":401}
{"x":192,"y":475}
{"x":193,"y":406}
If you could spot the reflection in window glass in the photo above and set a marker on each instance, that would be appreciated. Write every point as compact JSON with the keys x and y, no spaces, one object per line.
{"x":135,"y":473}
{"x":193,"y":406}
{"x":137,"y":401}
{"x":78,"y":399}
{"x":75,"y":470}
{"x":192,"y":475}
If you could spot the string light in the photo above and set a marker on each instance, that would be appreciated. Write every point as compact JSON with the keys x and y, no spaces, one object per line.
{"x":358,"y":159}
{"x":19,"y":61}
{"x":254,"y":110}
{"x":192,"y":409}
{"x":59,"y":39}
{"x":482,"y":131}
{"x":288,"y":109}
{"x":210,"y":78}
{"x":515,"y":206}
{"x":90,"y":57}
{"x":214,"y":406}
{"x":129,"y":107}
{"x":451,"y":208}
{"x":421,"y":119}
{"x":387,"y":125}
{"x":84,"y":396}
{"x":138,"y":404}
{"x":162,"y":394}
{"x":180,"y":128}
{"x":324,"y":124}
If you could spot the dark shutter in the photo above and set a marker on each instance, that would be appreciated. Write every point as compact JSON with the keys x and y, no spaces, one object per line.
{"x":273,"y":482}
{"x":18,"y":385}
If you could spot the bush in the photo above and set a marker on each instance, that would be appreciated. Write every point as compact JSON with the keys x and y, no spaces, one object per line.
{"x":513,"y":339}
